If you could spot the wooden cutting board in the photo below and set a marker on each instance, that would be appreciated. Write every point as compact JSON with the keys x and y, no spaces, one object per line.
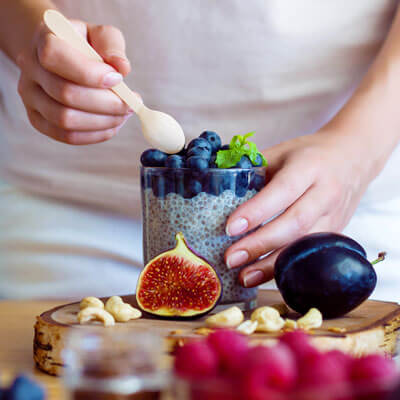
{"x":372,"y":327}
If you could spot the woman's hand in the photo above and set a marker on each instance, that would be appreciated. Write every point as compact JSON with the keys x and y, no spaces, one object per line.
{"x":315,"y":182}
{"x":66,"y":95}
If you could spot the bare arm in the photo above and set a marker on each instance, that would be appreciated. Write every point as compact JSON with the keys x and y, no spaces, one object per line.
{"x":319,"y":179}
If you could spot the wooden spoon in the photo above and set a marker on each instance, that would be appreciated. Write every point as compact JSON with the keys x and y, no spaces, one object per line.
{"x":159,"y":129}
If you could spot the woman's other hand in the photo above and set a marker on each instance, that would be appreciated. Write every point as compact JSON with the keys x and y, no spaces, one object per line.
{"x":315,"y":184}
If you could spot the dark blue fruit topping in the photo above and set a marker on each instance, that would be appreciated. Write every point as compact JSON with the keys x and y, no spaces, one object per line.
{"x":257,"y":182}
{"x":244,"y":163}
{"x":212,"y":163}
{"x":258,"y":161}
{"x":153,"y":158}
{"x":213,"y":139}
{"x":327,"y":271}
{"x":192,"y":188}
{"x":23,"y":388}
{"x":182,"y":152}
{"x":200,"y":151}
{"x":162,"y":185}
{"x":242,"y":184}
{"x":225,"y":147}
{"x":174,"y":161}
{"x":196,"y":162}
{"x":199,"y":142}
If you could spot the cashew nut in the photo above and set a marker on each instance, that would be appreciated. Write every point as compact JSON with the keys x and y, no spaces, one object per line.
{"x":91,"y":302}
{"x":268,"y":318}
{"x":290,"y":324}
{"x":229,"y":318}
{"x":247,"y":327}
{"x":313,"y":319}
{"x":95,"y":314}
{"x":282,"y":308}
{"x":122,"y":312}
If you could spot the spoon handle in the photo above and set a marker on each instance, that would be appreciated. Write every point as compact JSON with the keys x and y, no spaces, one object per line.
{"x":64,"y":30}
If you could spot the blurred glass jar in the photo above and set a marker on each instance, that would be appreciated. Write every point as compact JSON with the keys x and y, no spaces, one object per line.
{"x":110,"y":364}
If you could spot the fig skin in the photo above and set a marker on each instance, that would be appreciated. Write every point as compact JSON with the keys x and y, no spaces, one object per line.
{"x":182,"y":252}
{"x":327,"y":271}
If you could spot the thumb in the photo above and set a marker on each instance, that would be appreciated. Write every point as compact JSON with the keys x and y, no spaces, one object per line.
{"x":109,"y":42}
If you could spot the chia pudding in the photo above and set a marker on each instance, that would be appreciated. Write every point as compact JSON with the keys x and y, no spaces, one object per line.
{"x":198,"y":205}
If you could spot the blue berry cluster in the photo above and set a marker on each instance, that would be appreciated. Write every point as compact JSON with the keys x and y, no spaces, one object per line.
{"x":23,"y":388}
{"x":192,"y":170}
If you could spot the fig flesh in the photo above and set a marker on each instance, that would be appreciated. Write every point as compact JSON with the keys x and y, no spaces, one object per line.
{"x":178,"y":283}
{"x":327,"y":271}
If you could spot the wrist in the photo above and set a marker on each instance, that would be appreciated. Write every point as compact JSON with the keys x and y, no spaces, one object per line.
{"x":20,"y":20}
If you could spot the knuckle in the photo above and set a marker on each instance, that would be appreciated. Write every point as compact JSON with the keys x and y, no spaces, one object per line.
{"x":302,"y":221}
{"x":259,"y":246}
{"x":67,"y":94}
{"x":71,"y":138}
{"x":64,"y":118}
{"x":46,"y":51}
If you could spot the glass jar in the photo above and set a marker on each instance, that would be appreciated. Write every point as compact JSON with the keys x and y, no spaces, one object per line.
{"x":110,"y":364}
{"x":198,"y":204}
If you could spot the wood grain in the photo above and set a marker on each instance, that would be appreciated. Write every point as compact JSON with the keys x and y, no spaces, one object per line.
{"x":16,"y":335}
{"x":372,"y":327}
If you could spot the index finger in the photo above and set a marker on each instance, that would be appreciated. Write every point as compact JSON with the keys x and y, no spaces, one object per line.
{"x":277,"y":195}
{"x":57,"y":56}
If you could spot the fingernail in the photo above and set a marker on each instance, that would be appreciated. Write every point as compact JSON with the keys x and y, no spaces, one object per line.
{"x":237,"y":227}
{"x":236,"y":259}
{"x":112,"y":79}
{"x":253,"y":278}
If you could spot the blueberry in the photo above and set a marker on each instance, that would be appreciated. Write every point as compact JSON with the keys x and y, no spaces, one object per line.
{"x":162,"y":185}
{"x":225,"y":147}
{"x":242,"y":184}
{"x":212,"y":163}
{"x":212,"y":184}
{"x":179,"y":179}
{"x":258,"y":161}
{"x":199,"y":151}
{"x":227,"y":182}
{"x":24,"y":388}
{"x":198,"y":163}
{"x":174,"y":161}
{"x":192,"y":188}
{"x":244,"y":163}
{"x":213,"y":139}
{"x":153,"y":158}
{"x":182,"y":152}
{"x":257,"y":182}
{"x":199,"y":142}
{"x":217,"y":183}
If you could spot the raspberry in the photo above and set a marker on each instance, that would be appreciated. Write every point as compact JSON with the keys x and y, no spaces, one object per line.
{"x":196,"y":360}
{"x":299,"y":343}
{"x":230,"y":347}
{"x":270,"y":367}
{"x":373,"y":376}
{"x":322,"y":370}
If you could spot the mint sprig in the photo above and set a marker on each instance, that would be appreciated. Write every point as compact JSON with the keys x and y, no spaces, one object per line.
{"x":239,"y":147}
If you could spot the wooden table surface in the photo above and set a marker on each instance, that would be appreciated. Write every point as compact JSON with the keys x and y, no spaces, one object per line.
{"x":16,"y":337}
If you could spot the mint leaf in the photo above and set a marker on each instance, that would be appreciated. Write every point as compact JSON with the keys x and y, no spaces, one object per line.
{"x":227,"y":158}
{"x":238,"y":147}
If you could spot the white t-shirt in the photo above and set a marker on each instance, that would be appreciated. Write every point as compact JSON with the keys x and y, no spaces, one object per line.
{"x":281,"y":68}
{"x":277,"y":67}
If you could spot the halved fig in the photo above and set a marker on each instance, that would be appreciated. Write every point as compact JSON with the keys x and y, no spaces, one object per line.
{"x":178,"y":283}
